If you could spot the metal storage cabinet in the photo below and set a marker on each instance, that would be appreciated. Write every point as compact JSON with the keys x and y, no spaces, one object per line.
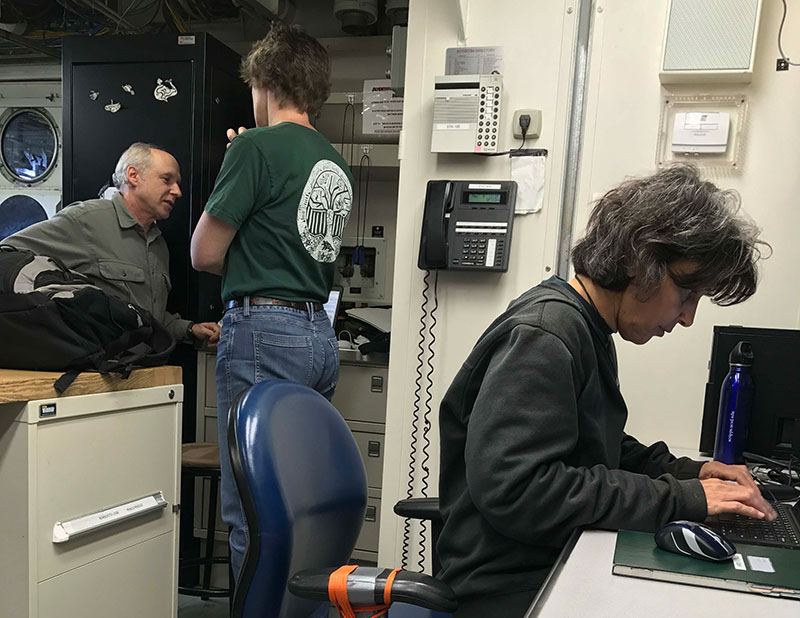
{"x":68,"y":457}
{"x":360,"y":397}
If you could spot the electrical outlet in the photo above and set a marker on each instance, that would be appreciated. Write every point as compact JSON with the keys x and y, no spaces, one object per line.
{"x":535,"y":127}
{"x":782,"y":64}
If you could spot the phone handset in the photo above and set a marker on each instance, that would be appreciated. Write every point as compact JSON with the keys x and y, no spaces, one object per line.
{"x":433,"y":243}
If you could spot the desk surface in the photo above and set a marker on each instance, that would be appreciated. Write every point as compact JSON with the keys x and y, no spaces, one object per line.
{"x":586,"y":587}
{"x":17,"y":385}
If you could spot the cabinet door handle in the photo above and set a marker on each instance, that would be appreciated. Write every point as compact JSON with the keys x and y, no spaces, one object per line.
{"x":373,"y":448}
{"x":64,"y":531}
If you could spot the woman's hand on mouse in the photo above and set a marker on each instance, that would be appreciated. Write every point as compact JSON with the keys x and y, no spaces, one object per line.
{"x":741,"y":496}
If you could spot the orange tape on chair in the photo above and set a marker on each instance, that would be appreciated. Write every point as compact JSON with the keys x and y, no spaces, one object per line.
{"x":337,"y":593}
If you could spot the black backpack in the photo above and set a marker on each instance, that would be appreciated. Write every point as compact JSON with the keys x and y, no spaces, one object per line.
{"x":53,"y":319}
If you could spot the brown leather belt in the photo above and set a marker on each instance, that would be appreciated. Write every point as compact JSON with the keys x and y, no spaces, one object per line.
{"x":276,"y":302}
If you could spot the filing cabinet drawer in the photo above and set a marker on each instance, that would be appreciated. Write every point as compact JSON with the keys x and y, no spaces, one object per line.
{"x":370,"y":444}
{"x":134,"y":583}
{"x":365,"y":558}
{"x":361,"y":393}
{"x":368,"y":539}
{"x":133,"y":453}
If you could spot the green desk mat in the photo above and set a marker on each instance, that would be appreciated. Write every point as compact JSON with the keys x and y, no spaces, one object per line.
{"x":639,"y":550}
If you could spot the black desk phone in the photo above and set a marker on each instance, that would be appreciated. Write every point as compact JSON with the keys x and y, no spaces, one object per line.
{"x":467,"y":225}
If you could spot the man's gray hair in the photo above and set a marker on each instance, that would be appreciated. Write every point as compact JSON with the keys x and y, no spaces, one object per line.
{"x":639,"y":229}
{"x":137,"y":155}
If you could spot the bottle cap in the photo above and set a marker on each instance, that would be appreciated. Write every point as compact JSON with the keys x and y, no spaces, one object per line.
{"x":742,"y":354}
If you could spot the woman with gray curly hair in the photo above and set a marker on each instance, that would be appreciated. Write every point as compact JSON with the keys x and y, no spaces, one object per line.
{"x":532,"y":428}
{"x":670,"y":231}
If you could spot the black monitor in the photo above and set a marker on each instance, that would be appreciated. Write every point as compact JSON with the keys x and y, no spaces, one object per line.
{"x":775,"y":418}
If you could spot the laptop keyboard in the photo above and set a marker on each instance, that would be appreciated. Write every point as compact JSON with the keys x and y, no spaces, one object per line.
{"x":780,"y":532}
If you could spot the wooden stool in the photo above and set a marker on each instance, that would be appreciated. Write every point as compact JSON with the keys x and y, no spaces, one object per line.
{"x":201,"y":460}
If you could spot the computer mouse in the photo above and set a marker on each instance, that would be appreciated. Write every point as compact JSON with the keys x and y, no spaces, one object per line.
{"x":696,"y":540}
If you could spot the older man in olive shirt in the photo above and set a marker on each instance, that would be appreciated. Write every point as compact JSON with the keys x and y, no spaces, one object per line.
{"x":116,"y":242}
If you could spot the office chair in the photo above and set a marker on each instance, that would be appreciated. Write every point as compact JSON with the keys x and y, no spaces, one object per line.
{"x":303,"y":489}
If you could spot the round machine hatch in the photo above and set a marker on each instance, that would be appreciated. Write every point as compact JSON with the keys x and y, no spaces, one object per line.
{"x":18,"y":212}
{"x":28,"y":144}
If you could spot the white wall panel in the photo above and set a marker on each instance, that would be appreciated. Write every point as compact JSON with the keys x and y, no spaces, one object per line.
{"x":664,"y":381}
{"x":537,"y":37}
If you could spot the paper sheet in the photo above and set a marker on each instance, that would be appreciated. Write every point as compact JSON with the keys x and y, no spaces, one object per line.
{"x":378,"y":317}
{"x":382,"y":111}
{"x":473,"y":60}
{"x":528,"y":172}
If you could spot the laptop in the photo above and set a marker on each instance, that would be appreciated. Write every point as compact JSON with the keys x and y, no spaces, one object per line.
{"x":783,"y":532}
{"x":332,"y":305}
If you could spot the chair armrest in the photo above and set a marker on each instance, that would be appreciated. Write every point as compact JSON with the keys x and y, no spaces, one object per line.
{"x":365,"y":587}
{"x":311,"y":584}
{"x":419,"y":508}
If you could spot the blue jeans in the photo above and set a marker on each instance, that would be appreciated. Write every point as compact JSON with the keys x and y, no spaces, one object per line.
{"x":258,"y":343}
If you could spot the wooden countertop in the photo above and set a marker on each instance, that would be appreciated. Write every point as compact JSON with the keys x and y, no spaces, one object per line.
{"x":18,"y":385}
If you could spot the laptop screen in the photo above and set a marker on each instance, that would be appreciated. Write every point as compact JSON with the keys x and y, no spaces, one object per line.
{"x":332,"y":306}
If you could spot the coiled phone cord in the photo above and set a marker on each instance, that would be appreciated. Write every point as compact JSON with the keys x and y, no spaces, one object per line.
{"x":422,"y":410}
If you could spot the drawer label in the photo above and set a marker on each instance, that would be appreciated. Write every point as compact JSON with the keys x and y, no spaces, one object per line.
{"x":63,"y":531}
{"x":47,"y":410}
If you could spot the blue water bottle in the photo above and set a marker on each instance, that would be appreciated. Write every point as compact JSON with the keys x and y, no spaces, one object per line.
{"x":735,"y":403}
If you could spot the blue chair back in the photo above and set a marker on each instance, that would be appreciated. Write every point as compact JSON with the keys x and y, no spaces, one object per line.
{"x":304,"y":491}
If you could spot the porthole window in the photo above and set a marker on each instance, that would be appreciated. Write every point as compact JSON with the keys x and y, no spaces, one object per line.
{"x":28,"y":145}
{"x":18,"y":212}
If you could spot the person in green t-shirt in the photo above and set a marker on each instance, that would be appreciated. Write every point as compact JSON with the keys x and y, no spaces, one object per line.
{"x":273,"y":228}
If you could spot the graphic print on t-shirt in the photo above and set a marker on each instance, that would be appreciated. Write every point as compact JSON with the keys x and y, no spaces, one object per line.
{"x":323,"y":211}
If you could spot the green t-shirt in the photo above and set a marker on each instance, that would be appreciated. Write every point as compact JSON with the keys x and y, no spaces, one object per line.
{"x":288,"y":193}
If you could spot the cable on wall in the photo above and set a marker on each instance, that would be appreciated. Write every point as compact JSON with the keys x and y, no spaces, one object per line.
{"x":421,"y":414}
{"x":780,"y":34}
{"x":426,"y":424}
{"x":348,"y":107}
{"x":359,"y":252}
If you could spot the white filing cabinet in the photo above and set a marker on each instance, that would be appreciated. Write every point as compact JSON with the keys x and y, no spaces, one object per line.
{"x":361,"y":399}
{"x":65,"y":458}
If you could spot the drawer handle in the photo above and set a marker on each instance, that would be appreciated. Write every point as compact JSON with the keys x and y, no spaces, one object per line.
{"x":64,"y":531}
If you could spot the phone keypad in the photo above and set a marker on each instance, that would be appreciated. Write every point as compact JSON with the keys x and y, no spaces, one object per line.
{"x":481,"y":251}
{"x":473,"y":250}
